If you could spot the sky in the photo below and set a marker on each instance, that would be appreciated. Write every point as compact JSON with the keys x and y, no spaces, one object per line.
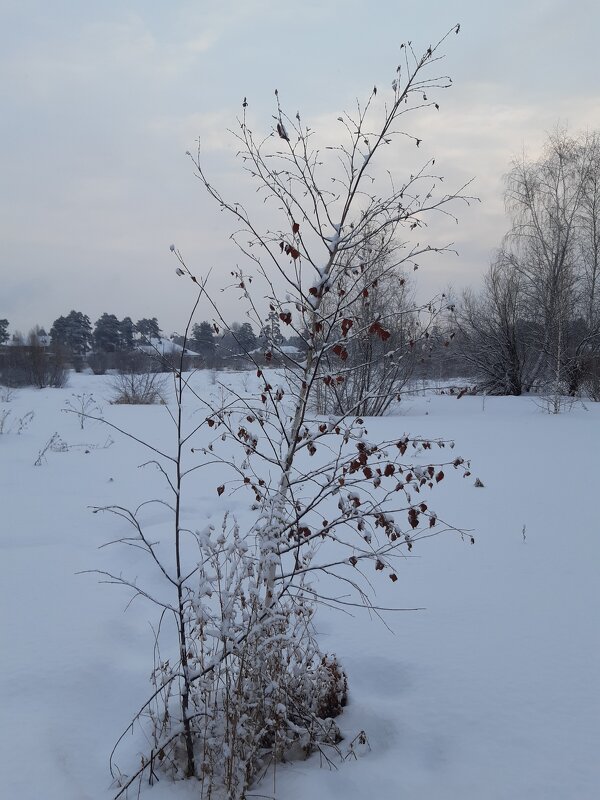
{"x":99,"y":102}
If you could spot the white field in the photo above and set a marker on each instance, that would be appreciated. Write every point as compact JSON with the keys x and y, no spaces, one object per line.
{"x":491,"y":693}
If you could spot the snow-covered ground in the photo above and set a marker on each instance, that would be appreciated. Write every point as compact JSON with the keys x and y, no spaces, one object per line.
{"x":492,"y":691}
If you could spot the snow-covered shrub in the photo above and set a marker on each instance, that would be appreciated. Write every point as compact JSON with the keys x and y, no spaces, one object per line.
{"x":249,"y":706}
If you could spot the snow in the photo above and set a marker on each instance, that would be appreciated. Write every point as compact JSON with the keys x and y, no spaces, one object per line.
{"x":164,"y":347}
{"x":492,"y":691}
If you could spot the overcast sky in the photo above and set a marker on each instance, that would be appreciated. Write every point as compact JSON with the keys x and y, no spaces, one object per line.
{"x":100,"y":100}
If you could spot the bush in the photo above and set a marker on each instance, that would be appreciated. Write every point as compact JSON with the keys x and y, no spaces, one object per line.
{"x":138,"y":388}
{"x":32,"y":364}
{"x":99,"y":362}
{"x":591,"y":381}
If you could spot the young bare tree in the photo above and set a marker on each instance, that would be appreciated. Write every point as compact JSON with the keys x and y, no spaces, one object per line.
{"x":249,"y":684}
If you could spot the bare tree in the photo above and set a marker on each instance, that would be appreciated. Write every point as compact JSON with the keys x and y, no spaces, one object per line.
{"x":589,"y":230}
{"x":249,"y":684}
{"x":31,"y":363}
{"x":585,"y":361}
{"x":380,"y":339}
{"x":547,"y":200}
{"x":496,"y":340}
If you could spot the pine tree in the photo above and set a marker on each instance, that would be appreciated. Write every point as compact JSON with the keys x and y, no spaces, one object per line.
{"x":203,"y":340}
{"x":107,"y":334}
{"x":126,"y":342}
{"x":73,"y":331}
{"x":246,"y":338}
{"x":148,"y":328}
{"x":270,"y":334}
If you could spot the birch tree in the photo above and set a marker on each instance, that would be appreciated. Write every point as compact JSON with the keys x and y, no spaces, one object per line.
{"x":551,"y":245}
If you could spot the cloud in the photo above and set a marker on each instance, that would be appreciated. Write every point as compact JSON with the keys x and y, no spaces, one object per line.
{"x":100,"y":104}
{"x":99,"y":52}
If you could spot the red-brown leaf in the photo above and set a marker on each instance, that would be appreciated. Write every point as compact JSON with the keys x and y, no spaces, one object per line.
{"x":340,"y":351}
{"x":346,"y":325}
{"x":377,"y":330}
